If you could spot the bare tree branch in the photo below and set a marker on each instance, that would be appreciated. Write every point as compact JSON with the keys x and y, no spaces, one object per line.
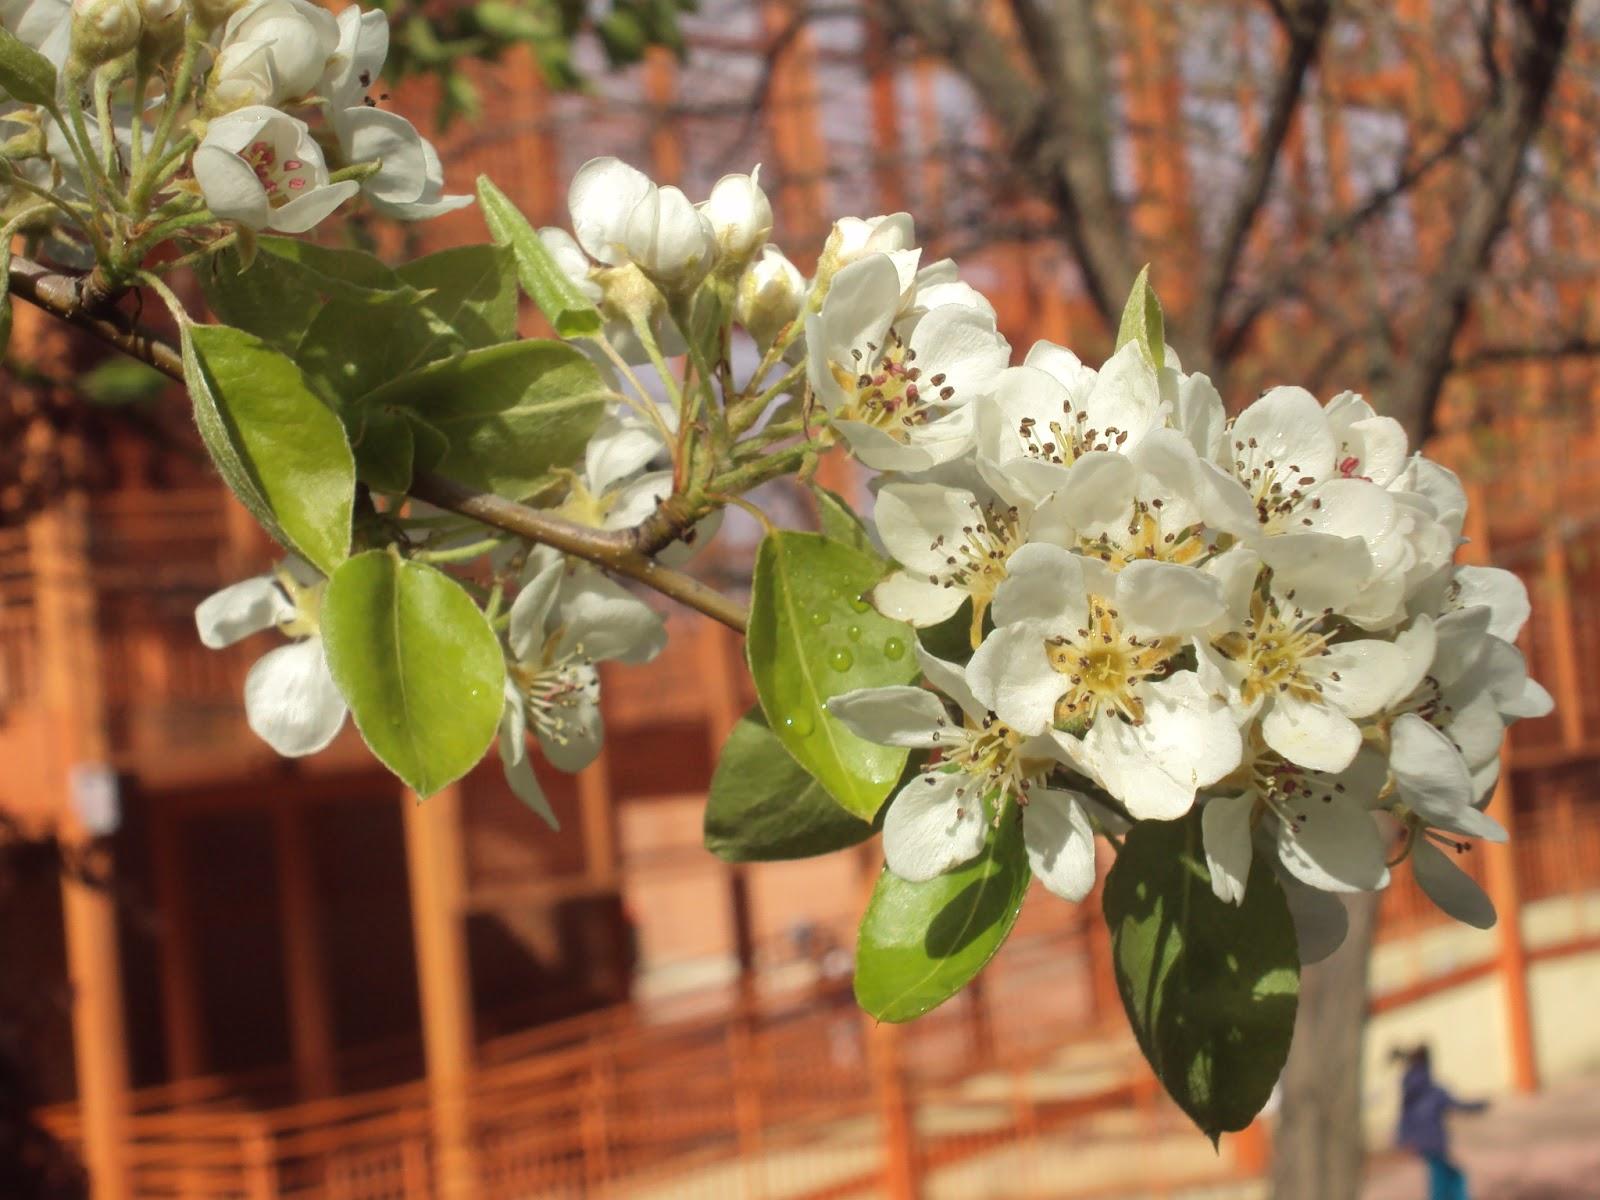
{"x":1305,"y":24}
{"x":1059,"y":135}
{"x":1538,"y":36}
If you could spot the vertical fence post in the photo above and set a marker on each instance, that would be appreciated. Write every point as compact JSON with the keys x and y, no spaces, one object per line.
{"x":594,"y":1126}
{"x":747,"y":1116}
{"x":902,"y":1167}
{"x":261,"y":1169}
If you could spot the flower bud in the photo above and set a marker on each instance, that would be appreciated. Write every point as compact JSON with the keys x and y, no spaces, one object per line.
{"x":740,"y":216}
{"x":103,"y":30}
{"x":853,"y":238}
{"x":211,"y":13}
{"x":769,"y":296}
{"x":163,"y":27}
{"x":273,"y":52}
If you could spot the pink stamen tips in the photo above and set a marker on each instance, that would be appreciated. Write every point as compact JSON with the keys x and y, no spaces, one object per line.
{"x":296,"y":184}
{"x":1349,"y":466}
{"x":292,"y":164}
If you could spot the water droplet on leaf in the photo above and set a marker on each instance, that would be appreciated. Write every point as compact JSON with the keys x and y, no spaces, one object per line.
{"x":860,"y":603}
{"x":894,"y":649}
{"x":841,"y":659}
{"x":854,"y":633}
{"x":819,"y":617}
{"x":799,"y":724}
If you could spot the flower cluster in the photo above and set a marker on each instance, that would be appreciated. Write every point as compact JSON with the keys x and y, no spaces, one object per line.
{"x":1167,"y":608}
{"x":244,"y":114}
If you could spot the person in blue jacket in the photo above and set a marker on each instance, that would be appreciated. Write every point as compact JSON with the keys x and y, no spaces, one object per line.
{"x":1423,"y":1107}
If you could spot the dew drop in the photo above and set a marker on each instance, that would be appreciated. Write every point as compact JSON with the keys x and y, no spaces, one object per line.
{"x":894,"y":649}
{"x":799,"y":724}
{"x":859,"y":603}
{"x":854,"y":633}
{"x":841,"y":659}
{"x":819,"y":617}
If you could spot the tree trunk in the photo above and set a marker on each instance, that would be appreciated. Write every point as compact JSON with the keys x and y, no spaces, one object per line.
{"x":1319,"y":1145}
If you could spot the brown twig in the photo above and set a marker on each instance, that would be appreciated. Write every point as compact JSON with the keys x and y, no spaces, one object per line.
{"x":624,"y":552}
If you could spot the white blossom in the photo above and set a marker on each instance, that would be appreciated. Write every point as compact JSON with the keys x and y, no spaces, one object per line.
{"x":409,"y":182}
{"x":263,"y":169}
{"x":740,"y":215}
{"x":272,"y":52}
{"x":903,"y":392}
{"x":290,"y":699}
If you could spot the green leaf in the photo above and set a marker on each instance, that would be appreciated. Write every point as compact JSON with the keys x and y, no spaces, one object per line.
{"x":510,"y":413}
{"x":1210,"y":989}
{"x":472,"y":290}
{"x":570,"y":313}
{"x":764,"y":807}
{"x":290,"y":283}
{"x":278,"y":447}
{"x":812,"y":637}
{"x":840,"y":523}
{"x":417,"y":662}
{"x":119,"y":381}
{"x":26,"y":74}
{"x":921,"y":943}
{"x":386,"y":451}
{"x":1142,"y":321}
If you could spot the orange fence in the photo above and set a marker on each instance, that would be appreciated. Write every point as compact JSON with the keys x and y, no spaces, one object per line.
{"x":790,"y":1095}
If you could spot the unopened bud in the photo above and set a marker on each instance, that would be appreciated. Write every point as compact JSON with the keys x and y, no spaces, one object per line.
{"x":853,"y":238}
{"x":740,"y":216}
{"x":769,"y":296}
{"x":163,"y":27}
{"x":208,"y":14}
{"x":103,"y":30}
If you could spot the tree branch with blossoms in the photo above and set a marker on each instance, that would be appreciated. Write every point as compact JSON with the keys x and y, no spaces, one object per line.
{"x":1086,"y":603}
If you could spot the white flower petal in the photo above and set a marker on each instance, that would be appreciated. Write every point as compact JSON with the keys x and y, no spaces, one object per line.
{"x":1433,"y":779}
{"x":520,"y":776}
{"x":936,"y":823}
{"x":290,"y":699}
{"x":906,"y":597}
{"x":921,"y":523}
{"x":1160,"y":598}
{"x":893,"y":716}
{"x":1226,"y":835}
{"x":1011,"y":675}
{"x":241,"y":609}
{"x":1320,"y":920}
{"x":602,"y":195}
{"x":231,"y":189}
{"x":576,"y":743}
{"x":1332,"y":844}
{"x":1059,"y":842}
{"x":531,"y":610}
{"x":1503,"y":593}
{"x":950,"y":679}
{"x":602,"y":620}
{"x":1358,"y":677}
{"x":1043,"y":584}
{"x":1452,"y":889}
{"x":1310,"y":734}
{"x":1288,"y":426}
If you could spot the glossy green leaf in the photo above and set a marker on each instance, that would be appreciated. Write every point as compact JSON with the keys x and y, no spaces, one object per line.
{"x":352,"y":348}
{"x":472,"y":290}
{"x":277,"y":445}
{"x":921,"y":943}
{"x":25,"y":74}
{"x":812,"y":636}
{"x":764,"y":807}
{"x":386,"y":451}
{"x":417,"y":662}
{"x":510,"y":413}
{"x":1210,"y":989}
{"x":570,"y":313}
{"x":289,"y":283}
{"x":1142,"y":321}
{"x":840,"y":523}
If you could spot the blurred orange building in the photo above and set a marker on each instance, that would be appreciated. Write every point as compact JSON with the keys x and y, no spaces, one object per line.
{"x":259,"y":978}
